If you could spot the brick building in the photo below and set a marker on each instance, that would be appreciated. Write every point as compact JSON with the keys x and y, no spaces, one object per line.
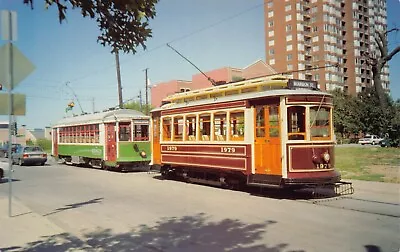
{"x":23,"y":134}
{"x":307,"y":34}
{"x":221,"y":75}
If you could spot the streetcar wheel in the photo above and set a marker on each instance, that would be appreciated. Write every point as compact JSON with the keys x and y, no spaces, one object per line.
{"x":104,"y":166}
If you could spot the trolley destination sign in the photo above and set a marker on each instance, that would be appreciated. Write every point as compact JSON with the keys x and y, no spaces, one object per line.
{"x":302,"y":84}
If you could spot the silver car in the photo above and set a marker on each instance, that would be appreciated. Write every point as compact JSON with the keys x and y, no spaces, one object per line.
{"x":29,"y":154}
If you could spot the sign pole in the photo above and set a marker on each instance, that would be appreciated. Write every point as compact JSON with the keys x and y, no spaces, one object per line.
{"x":10,"y":113}
{"x":11,"y":75}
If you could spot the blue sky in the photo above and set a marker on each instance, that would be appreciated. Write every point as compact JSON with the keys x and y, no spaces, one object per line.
{"x":233,"y":36}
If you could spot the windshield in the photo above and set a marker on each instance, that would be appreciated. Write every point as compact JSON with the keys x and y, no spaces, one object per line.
{"x":32,"y":148}
{"x":320,"y":122}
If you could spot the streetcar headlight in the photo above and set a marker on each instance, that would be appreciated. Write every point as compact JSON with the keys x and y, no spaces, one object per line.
{"x":315,"y":158}
{"x":326,"y":157}
{"x":143,"y":154}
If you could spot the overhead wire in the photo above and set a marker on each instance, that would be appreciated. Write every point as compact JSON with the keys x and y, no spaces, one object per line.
{"x":146,"y":51}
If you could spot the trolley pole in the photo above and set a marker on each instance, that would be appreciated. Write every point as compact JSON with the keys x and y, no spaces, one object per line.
{"x":118,"y":79}
{"x":147,"y":97}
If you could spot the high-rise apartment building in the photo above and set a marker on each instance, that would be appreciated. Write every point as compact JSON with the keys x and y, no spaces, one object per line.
{"x":325,"y":40}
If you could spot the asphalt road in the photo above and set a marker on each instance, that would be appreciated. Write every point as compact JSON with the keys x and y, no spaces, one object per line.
{"x":140,"y":212}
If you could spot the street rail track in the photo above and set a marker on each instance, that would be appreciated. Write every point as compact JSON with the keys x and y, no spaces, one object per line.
{"x":352,"y":203}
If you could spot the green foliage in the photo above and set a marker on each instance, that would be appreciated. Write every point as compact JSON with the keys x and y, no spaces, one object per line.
{"x":29,"y":142}
{"x":44,"y":143}
{"x":374,"y":120}
{"x":138,"y":107}
{"x":345,"y":117}
{"x":363,"y":114}
{"x":124,"y":24}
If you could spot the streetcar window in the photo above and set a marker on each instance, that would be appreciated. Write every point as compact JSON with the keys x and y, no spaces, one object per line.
{"x":124,"y":131}
{"x":178,"y":128}
{"x":220,"y":127}
{"x":205,"y":127}
{"x":191,"y":128}
{"x":320,"y":122}
{"x":237,"y":126}
{"x":296,"y":123}
{"x":260,"y":122}
{"x":81,"y":134}
{"x":74,"y":130}
{"x":93,"y":132}
{"x":166,"y":124}
{"x":273,"y":117}
{"x":141,"y":132}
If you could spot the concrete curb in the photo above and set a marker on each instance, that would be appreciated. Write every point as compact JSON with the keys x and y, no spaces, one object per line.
{"x":24,"y":226}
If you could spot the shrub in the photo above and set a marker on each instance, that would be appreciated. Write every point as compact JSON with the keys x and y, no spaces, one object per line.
{"x":44,"y":143}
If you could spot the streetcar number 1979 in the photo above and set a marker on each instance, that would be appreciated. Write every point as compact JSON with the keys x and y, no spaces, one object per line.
{"x":228,"y":149}
{"x":172,"y":148}
{"x":322,"y":166}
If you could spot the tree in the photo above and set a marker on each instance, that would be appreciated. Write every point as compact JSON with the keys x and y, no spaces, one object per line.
{"x":346,"y":115}
{"x":377,"y":63}
{"x":123,"y":23}
{"x":137,"y":106}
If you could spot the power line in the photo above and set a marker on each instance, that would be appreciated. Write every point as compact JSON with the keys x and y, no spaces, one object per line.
{"x":215,"y":24}
{"x":171,"y":41}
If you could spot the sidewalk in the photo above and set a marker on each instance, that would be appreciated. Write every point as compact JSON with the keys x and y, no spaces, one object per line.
{"x":24,"y":226}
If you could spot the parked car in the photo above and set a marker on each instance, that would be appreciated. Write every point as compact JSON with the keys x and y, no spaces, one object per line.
{"x":29,"y":154}
{"x":387,"y":142}
{"x":370,"y":139}
{"x":4,"y":149}
{"x":4,"y":170}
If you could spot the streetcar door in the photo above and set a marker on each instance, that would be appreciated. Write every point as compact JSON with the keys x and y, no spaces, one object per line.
{"x":267,"y":140}
{"x":111,"y":144}
{"x":55,"y":142}
{"x":156,"y":152}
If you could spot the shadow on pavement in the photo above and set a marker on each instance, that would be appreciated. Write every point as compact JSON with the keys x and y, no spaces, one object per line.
{"x":274,"y":193}
{"x":189,"y":233}
{"x":372,"y":248}
{"x":5,"y":180}
{"x":75,"y":205}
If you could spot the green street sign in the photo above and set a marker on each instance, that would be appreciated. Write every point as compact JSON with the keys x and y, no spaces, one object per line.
{"x":21,"y":66}
{"x":19,"y":104}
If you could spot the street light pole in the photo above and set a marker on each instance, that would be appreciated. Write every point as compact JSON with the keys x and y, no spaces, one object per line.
{"x":118,"y":79}
{"x":147,"y":97}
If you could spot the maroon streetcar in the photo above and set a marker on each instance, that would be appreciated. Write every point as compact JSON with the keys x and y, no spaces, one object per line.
{"x":269,"y":132}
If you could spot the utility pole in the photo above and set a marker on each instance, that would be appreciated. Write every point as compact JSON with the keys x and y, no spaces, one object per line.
{"x":118,"y":79}
{"x":93,"y":105}
{"x":147,"y":97}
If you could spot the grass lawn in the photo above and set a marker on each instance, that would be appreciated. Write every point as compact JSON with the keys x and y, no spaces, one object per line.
{"x":368,"y":163}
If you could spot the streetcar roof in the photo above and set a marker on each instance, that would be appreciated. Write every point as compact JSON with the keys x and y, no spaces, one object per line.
{"x":107,"y":116}
{"x":245,"y":96}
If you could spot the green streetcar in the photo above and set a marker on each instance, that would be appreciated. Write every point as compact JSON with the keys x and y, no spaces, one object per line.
{"x":114,"y":139}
